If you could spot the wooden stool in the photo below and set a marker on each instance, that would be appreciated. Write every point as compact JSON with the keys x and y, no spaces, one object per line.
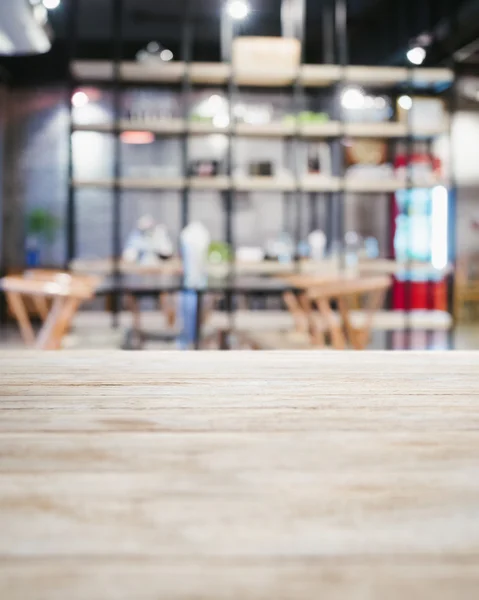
{"x":66,"y":294}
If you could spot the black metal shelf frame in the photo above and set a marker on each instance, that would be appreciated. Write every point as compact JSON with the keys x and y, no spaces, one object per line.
{"x":334,"y":51}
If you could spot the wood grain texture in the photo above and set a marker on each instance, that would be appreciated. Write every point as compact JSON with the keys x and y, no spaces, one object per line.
{"x":239,"y":475}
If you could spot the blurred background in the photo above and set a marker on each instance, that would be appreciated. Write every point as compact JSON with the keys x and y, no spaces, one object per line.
{"x":239,"y":174}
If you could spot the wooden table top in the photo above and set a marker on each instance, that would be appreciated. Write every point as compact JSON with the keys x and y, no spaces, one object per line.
{"x":239,"y":476}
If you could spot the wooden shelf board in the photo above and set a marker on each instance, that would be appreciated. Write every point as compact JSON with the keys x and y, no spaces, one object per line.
{"x":93,"y":127}
{"x":219,"y":73}
{"x":92,"y":70}
{"x":220,"y":182}
{"x":133,"y":183}
{"x":375,"y":76}
{"x":320,"y":183}
{"x":265,"y":77}
{"x":320,"y":130}
{"x":308,"y":183}
{"x":156,"y":72}
{"x":167,"y":126}
{"x":383,"y":130}
{"x":268,"y":130}
{"x":319,"y":75}
{"x":200,"y":128}
{"x":282,"y":183}
{"x":359,"y":185}
{"x":209,"y":73}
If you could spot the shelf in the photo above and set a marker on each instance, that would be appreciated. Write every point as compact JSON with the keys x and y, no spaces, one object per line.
{"x":320,"y":130}
{"x":94,"y":127}
{"x":376,"y":76}
{"x":204,"y":128}
{"x":133,"y":183}
{"x":360,"y":185}
{"x":268,"y":130}
{"x":376,"y":130}
{"x":220,"y":182}
{"x":219,"y":73}
{"x":172,"y":72}
{"x":426,"y":76}
{"x":210,"y":73}
{"x":328,"y":129}
{"x":320,"y":183}
{"x":283,"y":183}
{"x":266,"y":77}
{"x":319,"y":75}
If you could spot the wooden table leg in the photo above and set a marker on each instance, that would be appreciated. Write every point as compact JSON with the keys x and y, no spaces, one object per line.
{"x":41,"y":306}
{"x":316,"y":328}
{"x":17,"y":306}
{"x":300,"y":319}
{"x":338,"y":338}
{"x":132,"y":303}
{"x":48,"y":337}
{"x":167,"y":306}
{"x":57,"y":323}
{"x":70,"y":308}
{"x":357,"y":338}
{"x":374,"y":303}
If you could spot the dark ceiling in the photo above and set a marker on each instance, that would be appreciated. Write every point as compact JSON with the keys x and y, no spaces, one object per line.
{"x":379,"y":31}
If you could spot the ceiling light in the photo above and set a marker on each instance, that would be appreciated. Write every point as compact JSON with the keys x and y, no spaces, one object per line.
{"x":51,"y":4}
{"x":238,"y":9}
{"x":80,"y":99}
{"x":416,"y":56}
{"x":153,"y":47}
{"x":352,"y":98}
{"x":405,"y":102}
{"x":166,"y":55}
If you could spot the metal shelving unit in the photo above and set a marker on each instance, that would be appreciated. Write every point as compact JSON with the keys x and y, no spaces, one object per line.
{"x":186,"y":74}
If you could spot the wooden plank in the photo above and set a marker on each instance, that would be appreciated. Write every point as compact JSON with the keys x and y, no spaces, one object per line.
{"x":443,"y":578}
{"x":239,"y":475}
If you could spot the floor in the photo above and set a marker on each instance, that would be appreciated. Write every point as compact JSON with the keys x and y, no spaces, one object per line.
{"x":93,"y":330}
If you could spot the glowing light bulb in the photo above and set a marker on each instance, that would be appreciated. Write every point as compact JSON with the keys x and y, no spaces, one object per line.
{"x":405,"y":102}
{"x":353,"y":98}
{"x":80,"y":99}
{"x":416,"y":56}
{"x":51,"y":4}
{"x":238,"y":9}
{"x":166,"y":55}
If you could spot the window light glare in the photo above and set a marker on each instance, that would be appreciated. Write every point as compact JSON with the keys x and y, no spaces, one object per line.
{"x":221,"y":121}
{"x":405,"y":102}
{"x":80,"y":99}
{"x":416,"y":55}
{"x":51,"y":4}
{"x":353,"y":99}
{"x":238,"y":9}
{"x":439,"y":227}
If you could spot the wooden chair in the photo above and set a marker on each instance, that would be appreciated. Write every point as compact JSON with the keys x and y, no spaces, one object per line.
{"x":315,"y":319}
{"x":65,"y":294}
{"x":466,"y":286}
{"x":345,"y":293}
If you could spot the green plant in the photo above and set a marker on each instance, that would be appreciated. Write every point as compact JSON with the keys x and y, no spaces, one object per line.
{"x":41,"y":223}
